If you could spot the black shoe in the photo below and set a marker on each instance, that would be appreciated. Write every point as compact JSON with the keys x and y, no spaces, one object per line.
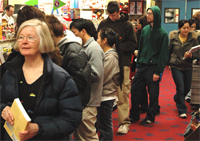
{"x":142,"y":110}
{"x":158,"y":112}
{"x":188,"y":100}
{"x":133,"y":120}
{"x":146,"y":122}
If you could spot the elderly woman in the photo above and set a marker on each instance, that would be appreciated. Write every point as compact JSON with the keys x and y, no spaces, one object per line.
{"x":55,"y":108}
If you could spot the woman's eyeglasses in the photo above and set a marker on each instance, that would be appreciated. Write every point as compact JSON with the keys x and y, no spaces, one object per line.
{"x":28,"y":38}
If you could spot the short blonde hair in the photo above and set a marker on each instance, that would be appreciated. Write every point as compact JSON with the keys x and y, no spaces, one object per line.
{"x":46,"y":44}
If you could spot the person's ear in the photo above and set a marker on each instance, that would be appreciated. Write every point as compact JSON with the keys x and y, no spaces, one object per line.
{"x":105,"y":40}
{"x":84,"y":31}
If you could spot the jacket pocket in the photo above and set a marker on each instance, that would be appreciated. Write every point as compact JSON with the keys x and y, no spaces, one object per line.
{"x":175,"y":59}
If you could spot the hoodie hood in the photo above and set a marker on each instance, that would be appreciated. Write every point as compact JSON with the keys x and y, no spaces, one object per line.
{"x":157,"y":16}
{"x":69,"y":38}
{"x":123,"y":17}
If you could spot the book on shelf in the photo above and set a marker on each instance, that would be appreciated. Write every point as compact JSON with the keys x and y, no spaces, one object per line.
{"x":21,"y":120}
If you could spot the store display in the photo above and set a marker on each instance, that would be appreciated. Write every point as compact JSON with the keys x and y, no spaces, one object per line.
{"x":8,"y":31}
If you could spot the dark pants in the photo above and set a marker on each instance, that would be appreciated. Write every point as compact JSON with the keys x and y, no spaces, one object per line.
{"x":144,"y":100}
{"x":104,"y":120}
{"x":182,"y":80}
{"x":143,"y":77}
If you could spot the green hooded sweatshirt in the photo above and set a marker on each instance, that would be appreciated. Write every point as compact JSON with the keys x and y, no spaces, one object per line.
{"x":153,"y":45}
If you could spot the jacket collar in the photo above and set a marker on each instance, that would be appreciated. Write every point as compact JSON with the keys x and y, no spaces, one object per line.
{"x":123,"y":17}
{"x":88,"y":42}
{"x":17,"y":63}
{"x":174,"y":35}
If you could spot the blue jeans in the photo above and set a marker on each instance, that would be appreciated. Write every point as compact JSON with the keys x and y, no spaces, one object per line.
{"x":104,"y":120}
{"x":182,"y":80}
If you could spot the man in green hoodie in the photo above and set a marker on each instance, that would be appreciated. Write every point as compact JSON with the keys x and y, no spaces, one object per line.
{"x":152,"y":58}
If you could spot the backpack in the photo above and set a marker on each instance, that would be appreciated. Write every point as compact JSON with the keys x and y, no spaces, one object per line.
{"x":75,"y":62}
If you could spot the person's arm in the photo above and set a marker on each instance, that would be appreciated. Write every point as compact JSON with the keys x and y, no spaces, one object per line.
{"x":170,"y":47}
{"x":130,"y":44}
{"x":163,"y":56}
{"x":96,"y":59}
{"x":75,"y":62}
{"x":140,"y":46}
{"x":109,"y":65}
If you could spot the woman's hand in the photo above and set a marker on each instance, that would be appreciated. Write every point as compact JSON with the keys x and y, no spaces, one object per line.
{"x":169,"y":67}
{"x":7,"y":115}
{"x":31,"y":131}
{"x":187,"y":55}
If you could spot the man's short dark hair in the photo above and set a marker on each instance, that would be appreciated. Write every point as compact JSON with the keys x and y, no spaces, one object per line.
{"x":8,"y":7}
{"x":113,"y":6}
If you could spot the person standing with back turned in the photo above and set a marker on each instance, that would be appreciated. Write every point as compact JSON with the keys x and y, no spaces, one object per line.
{"x":120,"y":23}
{"x":152,"y":58}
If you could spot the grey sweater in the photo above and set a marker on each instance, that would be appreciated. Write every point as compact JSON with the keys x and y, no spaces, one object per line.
{"x":111,"y":75}
{"x":96,"y":60}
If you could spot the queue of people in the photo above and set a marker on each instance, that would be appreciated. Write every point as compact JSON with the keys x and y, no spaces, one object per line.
{"x":75,"y":78}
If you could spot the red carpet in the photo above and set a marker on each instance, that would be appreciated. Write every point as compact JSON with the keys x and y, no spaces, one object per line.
{"x":167,"y":126}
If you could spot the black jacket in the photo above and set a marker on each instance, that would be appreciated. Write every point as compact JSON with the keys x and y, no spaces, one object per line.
{"x":177,"y":50}
{"x":126,"y":32}
{"x":75,"y":62}
{"x":58,"y":111}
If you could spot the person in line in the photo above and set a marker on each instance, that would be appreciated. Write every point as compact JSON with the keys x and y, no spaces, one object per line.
{"x":75,"y":60}
{"x":141,"y":22}
{"x":8,"y":15}
{"x":180,"y":62}
{"x":120,"y":23}
{"x":86,"y":31}
{"x":193,"y":24}
{"x":113,"y":78}
{"x":151,"y":60}
{"x":196,"y":16}
{"x":55,"y":109}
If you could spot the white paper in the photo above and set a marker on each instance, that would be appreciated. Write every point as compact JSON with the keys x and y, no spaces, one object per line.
{"x":193,"y":49}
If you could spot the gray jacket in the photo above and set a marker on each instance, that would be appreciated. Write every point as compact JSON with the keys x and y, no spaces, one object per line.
{"x":96,"y":60}
{"x":111,"y":73}
{"x":177,"y":50}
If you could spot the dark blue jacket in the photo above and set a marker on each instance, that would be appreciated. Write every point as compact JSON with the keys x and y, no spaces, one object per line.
{"x":58,"y":109}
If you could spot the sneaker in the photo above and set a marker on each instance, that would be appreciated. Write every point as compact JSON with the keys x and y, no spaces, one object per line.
{"x":145,"y":122}
{"x":158,"y":112}
{"x":188,"y":100}
{"x":123,"y":129}
{"x":183,"y":115}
